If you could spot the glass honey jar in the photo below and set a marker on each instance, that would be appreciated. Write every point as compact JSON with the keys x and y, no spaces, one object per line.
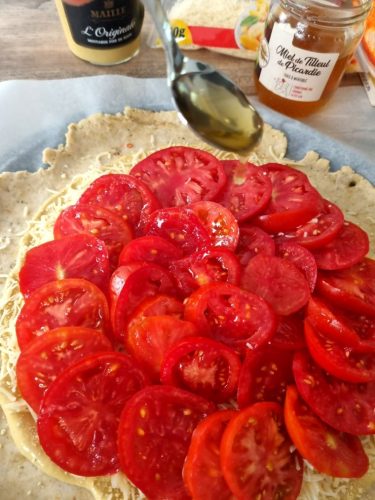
{"x":102,"y":32}
{"x":305,"y":50}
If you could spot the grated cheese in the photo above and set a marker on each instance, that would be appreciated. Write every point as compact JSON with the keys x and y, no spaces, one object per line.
{"x":215,"y":13}
{"x":226,"y":14}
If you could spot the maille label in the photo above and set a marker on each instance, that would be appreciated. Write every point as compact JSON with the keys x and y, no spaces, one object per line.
{"x":104,"y":23}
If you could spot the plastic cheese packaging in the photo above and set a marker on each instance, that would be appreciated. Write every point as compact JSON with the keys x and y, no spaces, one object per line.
{"x":232,"y":27}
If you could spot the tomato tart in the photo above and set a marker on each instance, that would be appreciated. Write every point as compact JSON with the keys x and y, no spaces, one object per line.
{"x":182,"y":324}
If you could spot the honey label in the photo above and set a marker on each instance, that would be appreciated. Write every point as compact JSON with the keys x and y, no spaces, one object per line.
{"x":104,"y":23}
{"x":290,"y":72}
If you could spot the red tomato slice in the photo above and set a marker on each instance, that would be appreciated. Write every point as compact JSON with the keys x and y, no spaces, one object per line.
{"x":70,"y":302}
{"x":124,"y":195}
{"x":147,"y":281}
{"x":278,"y":281}
{"x":97,"y":221}
{"x":318,"y":231}
{"x":202,"y":470}
{"x":118,"y":279}
{"x":148,"y":340}
{"x":294,"y":201}
{"x":347,"y":249}
{"x":219,"y":222}
{"x":338,"y":360}
{"x":265,"y":374}
{"x":344,"y":406}
{"x":231,"y":315}
{"x":181,"y":227}
{"x":247,"y":190}
{"x":330,"y":452}
{"x":253,"y":241}
{"x":289,"y":333}
{"x":302,"y":259}
{"x":154,"y":436}
{"x":181,"y":175}
{"x":352,"y":289}
{"x":80,"y":413}
{"x":150,"y":249}
{"x":364,"y":326}
{"x":160,"y":305}
{"x":256,"y":456}
{"x":360,"y":326}
{"x":205,"y":266}
{"x":326,"y":321}
{"x":49,"y":355}
{"x":78,"y":256}
{"x":202,"y":366}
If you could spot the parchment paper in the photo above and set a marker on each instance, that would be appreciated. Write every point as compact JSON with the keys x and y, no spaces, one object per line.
{"x":35,"y":114}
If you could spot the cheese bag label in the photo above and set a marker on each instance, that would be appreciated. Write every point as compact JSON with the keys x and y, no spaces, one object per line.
{"x":291,"y":72}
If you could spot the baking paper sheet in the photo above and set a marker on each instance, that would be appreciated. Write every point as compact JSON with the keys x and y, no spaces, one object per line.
{"x":35,"y":114}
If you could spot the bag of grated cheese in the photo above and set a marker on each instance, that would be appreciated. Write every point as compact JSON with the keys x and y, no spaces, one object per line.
{"x":233,"y":27}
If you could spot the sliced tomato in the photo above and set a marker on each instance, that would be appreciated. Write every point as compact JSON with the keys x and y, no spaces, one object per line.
{"x":318,"y":231}
{"x":219,"y":222}
{"x":289,"y":333}
{"x":147,"y":281}
{"x":148,"y":339}
{"x":302,"y":258}
{"x":45,"y":357}
{"x":253,"y":241}
{"x":321,"y":316}
{"x":348,"y":248}
{"x":80,"y":413}
{"x":202,"y":470}
{"x":293,"y":202}
{"x":205,"y":266}
{"x":97,"y":221}
{"x":150,"y":249}
{"x":231,"y":315}
{"x":118,"y":279}
{"x":338,"y":360}
{"x":159,"y":305}
{"x":180,"y":175}
{"x":124,"y":195}
{"x":78,"y":256}
{"x":330,"y":452}
{"x":278,"y":281}
{"x":202,"y":366}
{"x":352,"y":289}
{"x":344,"y":406}
{"x":256,"y":456}
{"x":154,"y":436}
{"x":265,"y":374}
{"x":247,"y":190}
{"x":351,"y":329}
{"x":363,"y":325}
{"x":181,"y":227}
{"x":69,"y":302}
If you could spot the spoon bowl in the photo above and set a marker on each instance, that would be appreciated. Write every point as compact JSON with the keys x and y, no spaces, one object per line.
{"x":206,"y":100}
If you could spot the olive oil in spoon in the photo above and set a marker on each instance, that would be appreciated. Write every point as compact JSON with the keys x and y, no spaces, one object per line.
{"x":209,"y":102}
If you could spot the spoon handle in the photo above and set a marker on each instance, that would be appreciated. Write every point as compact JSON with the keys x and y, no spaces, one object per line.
{"x":173,"y":54}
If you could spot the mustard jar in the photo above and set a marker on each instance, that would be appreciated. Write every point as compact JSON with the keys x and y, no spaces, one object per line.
{"x":102,"y":32}
{"x":305,"y":50}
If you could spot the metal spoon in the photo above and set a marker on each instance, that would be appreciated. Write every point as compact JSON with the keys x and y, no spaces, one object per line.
{"x":211,"y":104}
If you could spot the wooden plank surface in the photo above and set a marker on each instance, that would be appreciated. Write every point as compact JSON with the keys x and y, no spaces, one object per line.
{"x":32,"y":46}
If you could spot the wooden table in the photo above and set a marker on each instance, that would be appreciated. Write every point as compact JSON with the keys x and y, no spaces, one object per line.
{"x":32,"y":46}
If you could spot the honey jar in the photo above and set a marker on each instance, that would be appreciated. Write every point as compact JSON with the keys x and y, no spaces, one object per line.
{"x":305,"y":50}
{"x":103,"y":32}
